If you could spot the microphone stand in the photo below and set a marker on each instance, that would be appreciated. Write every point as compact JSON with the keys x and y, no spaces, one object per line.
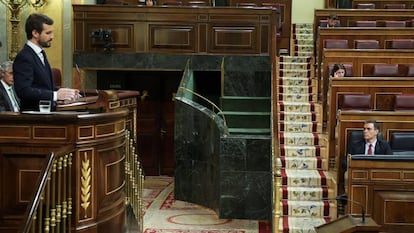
{"x":340,"y":198}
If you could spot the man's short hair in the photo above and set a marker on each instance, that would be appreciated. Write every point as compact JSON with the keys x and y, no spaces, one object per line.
{"x":333,"y":16}
{"x":374,"y":122}
{"x":35,"y":22}
{"x":4,"y":67}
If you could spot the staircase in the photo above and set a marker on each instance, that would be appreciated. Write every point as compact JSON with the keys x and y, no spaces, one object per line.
{"x":302,"y":182}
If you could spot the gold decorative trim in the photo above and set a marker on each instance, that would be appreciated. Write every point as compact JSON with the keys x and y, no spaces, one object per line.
{"x":89,"y":127}
{"x":85,"y":184}
{"x":102,"y":127}
{"x":6,"y":132}
{"x":64,"y":136}
{"x":21,"y":184}
{"x":114,"y":104}
{"x":120,"y":126}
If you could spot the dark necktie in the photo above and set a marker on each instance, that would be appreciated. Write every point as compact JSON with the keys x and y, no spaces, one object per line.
{"x":46,"y":63}
{"x":370,"y":149}
{"x":49,"y":69}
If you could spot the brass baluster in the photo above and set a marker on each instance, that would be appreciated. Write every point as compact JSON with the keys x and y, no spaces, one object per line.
{"x":59,"y":194}
{"x":46,"y":226}
{"x":40,"y":213}
{"x":64,"y":190}
{"x":69,"y":192}
{"x":53,"y":199}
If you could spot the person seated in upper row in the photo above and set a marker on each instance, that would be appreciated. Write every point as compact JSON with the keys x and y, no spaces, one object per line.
{"x":338,"y":71}
{"x":9,"y":102}
{"x":333,"y":21}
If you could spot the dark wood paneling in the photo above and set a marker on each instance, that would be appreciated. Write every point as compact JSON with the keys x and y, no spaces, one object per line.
{"x":390,"y":121}
{"x":347,"y":16}
{"x":354,"y":33}
{"x":384,"y":191}
{"x":357,"y":58}
{"x":380,"y":4}
{"x":210,"y":30}
{"x":285,"y":8}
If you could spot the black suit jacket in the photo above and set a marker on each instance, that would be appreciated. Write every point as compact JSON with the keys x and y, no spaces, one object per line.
{"x":358,"y":147}
{"x":6,"y":104}
{"x":33,"y":81}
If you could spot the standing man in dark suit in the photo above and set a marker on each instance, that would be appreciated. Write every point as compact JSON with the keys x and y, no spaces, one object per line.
{"x":32,"y":72}
{"x":9,"y":102}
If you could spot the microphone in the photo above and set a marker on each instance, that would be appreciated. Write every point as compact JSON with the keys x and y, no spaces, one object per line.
{"x":342,"y":198}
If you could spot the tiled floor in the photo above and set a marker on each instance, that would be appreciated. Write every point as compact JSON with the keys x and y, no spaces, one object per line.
{"x":163,"y":214}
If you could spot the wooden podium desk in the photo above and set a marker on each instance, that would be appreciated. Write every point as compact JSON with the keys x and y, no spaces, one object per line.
{"x":384,"y":185}
{"x":99,"y":142}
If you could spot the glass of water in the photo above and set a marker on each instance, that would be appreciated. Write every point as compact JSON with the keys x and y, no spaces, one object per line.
{"x":44,"y":105}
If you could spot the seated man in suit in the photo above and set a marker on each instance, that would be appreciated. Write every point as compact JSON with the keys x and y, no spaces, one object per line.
{"x":8,"y":99}
{"x":369,"y":144}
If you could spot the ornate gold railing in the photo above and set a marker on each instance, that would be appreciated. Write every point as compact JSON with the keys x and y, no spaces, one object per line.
{"x":50,"y":209}
{"x":134,"y":180}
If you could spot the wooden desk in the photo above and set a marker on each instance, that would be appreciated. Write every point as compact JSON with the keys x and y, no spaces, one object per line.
{"x":382,"y":95}
{"x":358,"y":58}
{"x":357,"y":33}
{"x":347,"y":16}
{"x":384,"y":185}
{"x":390,"y":122}
{"x":380,"y":4}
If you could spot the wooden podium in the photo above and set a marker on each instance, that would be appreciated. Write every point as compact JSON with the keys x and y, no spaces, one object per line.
{"x":349,"y":224}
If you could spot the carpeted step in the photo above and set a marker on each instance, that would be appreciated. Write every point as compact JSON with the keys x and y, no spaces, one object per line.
{"x":299,"y":116}
{"x":303,"y":151}
{"x":297,"y":26}
{"x":295,"y":73}
{"x":307,"y":37}
{"x":305,"y":40}
{"x":307,"y":208}
{"x":295,"y":59}
{"x":302,"y":163}
{"x":302,"y":139}
{"x":303,"y":30}
{"x":297,"y":81}
{"x":300,"y":224}
{"x":305,"y":178}
{"x":294,"y":65}
{"x":295,"y":107}
{"x":297,"y":89}
{"x":304,"y":48}
{"x":300,"y":127}
{"x":305,"y":193}
{"x":303,"y":53}
{"x":300,"y":98}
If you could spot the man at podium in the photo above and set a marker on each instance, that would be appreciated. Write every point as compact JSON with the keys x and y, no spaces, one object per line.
{"x":32,"y":72}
